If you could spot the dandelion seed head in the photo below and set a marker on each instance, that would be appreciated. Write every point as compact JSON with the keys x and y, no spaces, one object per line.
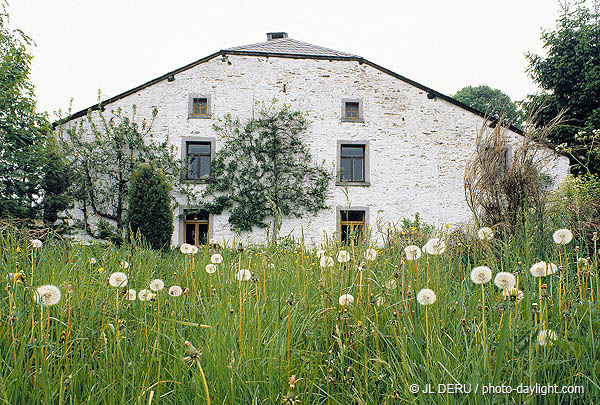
{"x":546,"y":336}
{"x":370,"y":254}
{"x":481,"y":274}
{"x":144,"y":295}
{"x":92,"y":260}
{"x":157,"y":284}
{"x":243,"y":275}
{"x":175,"y":291}
{"x":210,"y":268}
{"x":426,"y":296}
{"x":320,"y":253}
{"x":327,"y":261}
{"x":124,"y":264}
{"x":542,"y":269}
{"x":505,"y":280}
{"x":216,"y":258}
{"x":185,"y":248}
{"x":562,"y":236}
{"x":485,"y":233}
{"x":435,"y":246}
{"x":117,"y":279}
{"x":346,"y":299}
{"x":194,"y":249}
{"x":343,"y":256}
{"x":131,"y":295}
{"x":513,"y":292}
{"x":36,"y":243}
{"x":47,"y":295}
{"x":412,"y":252}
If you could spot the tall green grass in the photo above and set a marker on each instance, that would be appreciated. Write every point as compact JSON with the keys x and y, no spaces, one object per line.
{"x":283,"y":337}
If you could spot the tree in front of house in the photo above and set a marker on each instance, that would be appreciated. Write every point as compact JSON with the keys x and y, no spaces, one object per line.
{"x":490,"y":101}
{"x":104,"y":152}
{"x":569,"y":76}
{"x":149,"y":212}
{"x":23,"y":131}
{"x":264,"y":171}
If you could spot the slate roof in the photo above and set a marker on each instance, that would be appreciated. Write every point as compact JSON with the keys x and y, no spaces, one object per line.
{"x":289,"y":46}
{"x":284,"y":48}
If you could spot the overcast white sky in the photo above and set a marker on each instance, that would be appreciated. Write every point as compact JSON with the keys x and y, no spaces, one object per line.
{"x":115,"y":45}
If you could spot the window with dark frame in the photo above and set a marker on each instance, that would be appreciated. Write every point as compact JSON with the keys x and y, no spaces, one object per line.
{"x":198,"y":157}
{"x":352,"y":225}
{"x":200,"y":106}
{"x":351,"y":111}
{"x":196,"y":227}
{"x":352,"y":163}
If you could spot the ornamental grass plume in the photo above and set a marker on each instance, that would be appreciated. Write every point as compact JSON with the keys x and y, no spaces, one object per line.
{"x":435,"y":246}
{"x":175,"y":291}
{"x":542,"y":269}
{"x":426,"y":297}
{"x":343,"y":256}
{"x":36,"y":243}
{"x":505,"y":280}
{"x":185,"y":248}
{"x":210,"y":268}
{"x":47,"y":295}
{"x":481,"y":274}
{"x":157,"y":285}
{"x":370,"y":254}
{"x":562,"y":236}
{"x":131,"y":295}
{"x":327,"y":261}
{"x":485,"y":233}
{"x":412,"y":252}
{"x":546,"y":336}
{"x":345,"y":300}
{"x":243,"y":275}
{"x":216,"y":259}
{"x":117,"y":279}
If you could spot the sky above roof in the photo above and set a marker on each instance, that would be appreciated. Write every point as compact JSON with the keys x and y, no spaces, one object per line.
{"x":114,"y":45}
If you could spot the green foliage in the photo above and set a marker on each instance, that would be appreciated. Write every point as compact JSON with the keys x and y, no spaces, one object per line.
{"x":490,"y":101}
{"x":570,"y":73}
{"x":22,"y":130}
{"x":56,"y":183}
{"x":149,"y":207}
{"x":264,"y":170}
{"x":103,"y":152}
{"x":251,"y":337}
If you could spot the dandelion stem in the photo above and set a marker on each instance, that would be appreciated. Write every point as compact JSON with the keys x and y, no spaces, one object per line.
{"x":203,"y":381}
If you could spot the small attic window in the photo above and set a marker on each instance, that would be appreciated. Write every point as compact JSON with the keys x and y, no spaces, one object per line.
{"x":199,"y":106}
{"x":276,"y":35}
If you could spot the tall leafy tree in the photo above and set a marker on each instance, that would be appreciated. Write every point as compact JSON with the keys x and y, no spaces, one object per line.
{"x":104,"y":150}
{"x":149,"y":207}
{"x":22,"y":130}
{"x":264,"y":170}
{"x":490,"y":101}
{"x":569,"y":74}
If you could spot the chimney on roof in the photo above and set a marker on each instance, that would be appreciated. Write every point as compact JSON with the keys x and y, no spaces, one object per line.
{"x":276,"y":35}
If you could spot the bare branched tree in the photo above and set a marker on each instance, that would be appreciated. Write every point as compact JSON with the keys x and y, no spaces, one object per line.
{"x":502,"y":180}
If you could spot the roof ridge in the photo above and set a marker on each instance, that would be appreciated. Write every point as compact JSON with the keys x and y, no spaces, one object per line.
{"x":290,"y":46}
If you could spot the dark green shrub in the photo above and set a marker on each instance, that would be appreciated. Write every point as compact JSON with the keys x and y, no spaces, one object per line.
{"x":149,"y":212}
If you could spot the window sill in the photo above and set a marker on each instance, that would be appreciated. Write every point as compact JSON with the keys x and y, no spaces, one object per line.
{"x":360,"y":120}
{"x":196,"y":181}
{"x":194,"y":117}
{"x":353,"y":183}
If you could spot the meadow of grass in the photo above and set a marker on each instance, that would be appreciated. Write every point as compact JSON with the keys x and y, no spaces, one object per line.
{"x":289,"y":334}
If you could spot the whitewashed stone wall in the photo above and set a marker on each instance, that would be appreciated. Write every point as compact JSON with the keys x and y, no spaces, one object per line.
{"x":418,"y":146}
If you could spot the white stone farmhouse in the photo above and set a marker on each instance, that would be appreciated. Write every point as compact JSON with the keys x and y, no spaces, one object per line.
{"x":401,"y":146}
